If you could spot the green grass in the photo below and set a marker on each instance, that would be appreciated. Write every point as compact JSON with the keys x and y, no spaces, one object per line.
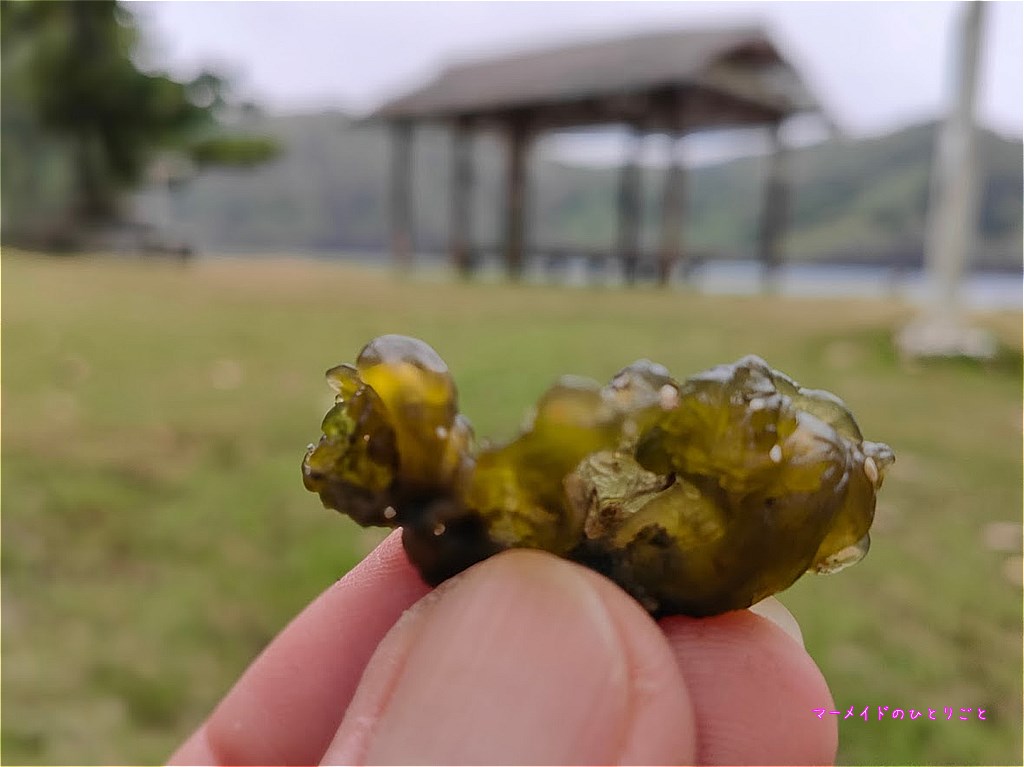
{"x":156,"y":533}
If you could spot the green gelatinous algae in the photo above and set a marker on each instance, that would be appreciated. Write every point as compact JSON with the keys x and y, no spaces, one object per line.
{"x":696,"y":497}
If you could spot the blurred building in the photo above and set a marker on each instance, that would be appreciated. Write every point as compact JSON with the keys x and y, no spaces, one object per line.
{"x":672,"y":83}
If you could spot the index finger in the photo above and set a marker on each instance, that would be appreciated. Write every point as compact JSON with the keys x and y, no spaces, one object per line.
{"x":288,"y":704}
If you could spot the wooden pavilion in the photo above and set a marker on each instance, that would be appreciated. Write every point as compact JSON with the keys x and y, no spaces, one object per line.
{"x":673,"y":83}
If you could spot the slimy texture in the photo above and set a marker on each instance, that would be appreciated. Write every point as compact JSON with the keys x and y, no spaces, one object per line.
{"x":697,"y":497}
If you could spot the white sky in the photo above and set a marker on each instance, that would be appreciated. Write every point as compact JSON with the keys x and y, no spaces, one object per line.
{"x":875,"y":65}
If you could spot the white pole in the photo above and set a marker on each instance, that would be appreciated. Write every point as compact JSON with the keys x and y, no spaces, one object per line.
{"x":953,"y":204}
{"x":952,"y":216}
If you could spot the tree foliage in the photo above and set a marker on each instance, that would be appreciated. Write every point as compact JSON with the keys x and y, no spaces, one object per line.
{"x":239,"y":151}
{"x":70,"y":72}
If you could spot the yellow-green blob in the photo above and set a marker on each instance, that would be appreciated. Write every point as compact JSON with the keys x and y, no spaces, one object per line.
{"x":355,"y":463}
{"x":518,"y":488}
{"x":419,"y":394}
{"x":729,"y":421}
{"x":696,"y":497}
{"x":847,"y":540}
{"x":739,"y":516}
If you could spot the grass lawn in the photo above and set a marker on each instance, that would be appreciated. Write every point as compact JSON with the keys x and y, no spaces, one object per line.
{"x":156,"y":533}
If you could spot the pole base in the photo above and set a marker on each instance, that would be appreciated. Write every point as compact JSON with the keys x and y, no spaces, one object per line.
{"x":938,"y":336}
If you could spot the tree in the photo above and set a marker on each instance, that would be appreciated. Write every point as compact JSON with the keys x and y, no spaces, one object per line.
{"x":69,"y":67}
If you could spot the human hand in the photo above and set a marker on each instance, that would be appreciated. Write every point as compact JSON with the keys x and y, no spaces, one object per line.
{"x":524,"y":658}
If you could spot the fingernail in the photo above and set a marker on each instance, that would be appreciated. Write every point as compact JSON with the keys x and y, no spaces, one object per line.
{"x":518,"y":661}
{"x":772,"y":609}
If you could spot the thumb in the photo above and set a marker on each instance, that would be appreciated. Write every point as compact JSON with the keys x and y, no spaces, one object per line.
{"x":524,"y":658}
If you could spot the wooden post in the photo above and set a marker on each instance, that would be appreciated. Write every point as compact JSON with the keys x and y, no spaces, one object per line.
{"x":672,"y":207}
{"x":629,"y":208}
{"x":515,"y":202}
{"x":774,"y":210}
{"x":460,"y":235}
{"x":401,"y":194}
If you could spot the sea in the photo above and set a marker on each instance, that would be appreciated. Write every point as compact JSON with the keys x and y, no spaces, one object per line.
{"x":979,"y":290}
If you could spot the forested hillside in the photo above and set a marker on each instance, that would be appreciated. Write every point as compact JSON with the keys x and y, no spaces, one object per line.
{"x":864,"y":199}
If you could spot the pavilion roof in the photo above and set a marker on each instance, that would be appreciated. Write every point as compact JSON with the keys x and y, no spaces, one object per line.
{"x":709,"y":77}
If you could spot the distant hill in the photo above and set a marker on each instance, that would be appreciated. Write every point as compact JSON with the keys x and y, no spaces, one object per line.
{"x":862,"y":199}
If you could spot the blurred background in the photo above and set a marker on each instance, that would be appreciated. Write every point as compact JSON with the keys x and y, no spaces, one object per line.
{"x":203,"y":208}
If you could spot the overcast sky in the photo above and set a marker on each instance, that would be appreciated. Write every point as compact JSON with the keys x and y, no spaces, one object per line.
{"x":875,"y":65}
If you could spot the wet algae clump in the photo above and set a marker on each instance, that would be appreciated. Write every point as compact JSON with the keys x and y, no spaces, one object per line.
{"x":696,"y":497}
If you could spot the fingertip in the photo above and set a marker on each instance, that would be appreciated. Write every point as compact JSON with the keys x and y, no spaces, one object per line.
{"x":194,"y":751}
{"x":665,"y":726}
{"x":523,"y":658}
{"x":754,"y":690}
{"x":287,"y":705}
{"x":772,"y":609}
